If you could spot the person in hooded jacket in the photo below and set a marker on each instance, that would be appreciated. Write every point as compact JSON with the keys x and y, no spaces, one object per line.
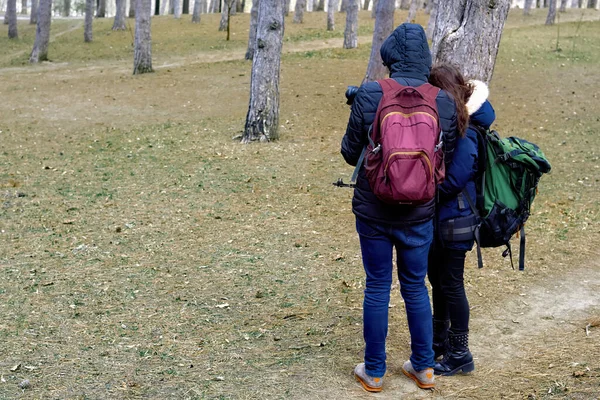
{"x":455,"y":223}
{"x":382,"y":227}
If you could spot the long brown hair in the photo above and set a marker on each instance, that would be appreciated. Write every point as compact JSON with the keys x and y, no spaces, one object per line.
{"x":450,"y":79}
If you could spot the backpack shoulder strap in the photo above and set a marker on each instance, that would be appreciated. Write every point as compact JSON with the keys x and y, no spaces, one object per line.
{"x":390,"y":85}
{"x":429,"y":91}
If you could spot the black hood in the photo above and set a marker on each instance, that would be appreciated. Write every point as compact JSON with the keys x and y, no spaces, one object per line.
{"x":406,"y":52}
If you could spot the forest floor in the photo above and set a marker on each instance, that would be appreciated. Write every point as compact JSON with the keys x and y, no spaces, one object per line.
{"x":145,"y":253}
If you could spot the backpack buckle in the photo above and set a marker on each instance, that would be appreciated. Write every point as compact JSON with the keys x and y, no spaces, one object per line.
{"x":376,"y":149}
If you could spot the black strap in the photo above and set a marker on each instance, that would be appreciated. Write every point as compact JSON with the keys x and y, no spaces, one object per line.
{"x":522,"y":249}
{"x":476,"y":231}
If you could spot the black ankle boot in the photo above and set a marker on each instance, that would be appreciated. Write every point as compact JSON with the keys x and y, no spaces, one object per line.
{"x":440,"y":337}
{"x":457,"y":358}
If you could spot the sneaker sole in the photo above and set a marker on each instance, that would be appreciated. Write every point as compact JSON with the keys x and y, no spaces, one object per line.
{"x":367,"y":387}
{"x":417,"y":381}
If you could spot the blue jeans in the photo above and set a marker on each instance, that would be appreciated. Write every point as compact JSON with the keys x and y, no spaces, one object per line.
{"x":412,"y":246}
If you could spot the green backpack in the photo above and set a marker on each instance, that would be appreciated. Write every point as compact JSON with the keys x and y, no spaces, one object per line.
{"x":509,"y":171}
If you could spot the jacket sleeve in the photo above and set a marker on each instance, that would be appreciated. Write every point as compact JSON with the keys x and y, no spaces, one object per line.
{"x":361,"y":117}
{"x":462,"y":168}
{"x":448,"y":116}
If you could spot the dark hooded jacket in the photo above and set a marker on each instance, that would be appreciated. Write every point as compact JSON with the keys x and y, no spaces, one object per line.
{"x":406,"y":53}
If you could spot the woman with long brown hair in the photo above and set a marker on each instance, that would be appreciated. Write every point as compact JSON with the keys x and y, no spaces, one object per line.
{"x":455,"y":223}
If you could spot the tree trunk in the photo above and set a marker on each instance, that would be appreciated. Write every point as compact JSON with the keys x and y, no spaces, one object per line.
{"x":101,"y":11}
{"x":66,"y":8}
{"x":34,"y":12}
{"x":433,"y":12}
{"x":351,"y":31}
{"x":11,"y":12}
{"x":185,"y":9}
{"x":404,"y":4}
{"x":551,"y":13}
{"x":142,"y":49}
{"x":428,"y":7}
{"x":412,"y":11}
{"x":156,"y":8}
{"x":23,"y":7}
{"x":366,"y":5}
{"x":252,"y":34}
{"x":321,"y":5}
{"x":163,"y":6}
{"x":286,"y":7}
{"x":42,"y":32}
{"x":563,"y":5}
{"x":177,"y":9}
{"x":467,"y":34}
{"x":225,"y":12}
{"x":384,"y":25}
{"x":575,"y":4}
{"x":374,"y":9}
{"x":331,"y":9}
{"x":299,"y":11}
{"x":119,"y":24}
{"x":262,"y":121}
{"x":593,"y":4}
{"x":89,"y":18}
{"x":196,"y":13}
{"x":132,"y":8}
{"x":344,"y":7}
{"x":527,"y":8}
{"x":203,"y":6}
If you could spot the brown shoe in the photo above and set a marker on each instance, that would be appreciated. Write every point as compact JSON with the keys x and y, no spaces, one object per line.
{"x":424,"y":379}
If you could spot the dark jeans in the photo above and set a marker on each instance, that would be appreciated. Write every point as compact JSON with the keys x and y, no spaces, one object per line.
{"x":377,"y":243}
{"x":446,"y":270}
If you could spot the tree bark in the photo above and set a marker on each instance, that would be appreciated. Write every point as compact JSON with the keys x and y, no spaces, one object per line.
{"x":351,"y":31}
{"x":142,"y":49}
{"x":11,"y":12}
{"x":42,"y":32}
{"x":119,"y":24}
{"x":203,"y":6}
{"x":527,"y":7}
{"x":101,"y":10}
{"x":23,"y":7}
{"x":321,"y":6}
{"x":89,"y":20}
{"x":344,"y":7}
{"x":366,"y":5}
{"x":384,"y":25}
{"x":299,"y":11}
{"x":177,"y":9}
{"x":67,"y":8}
{"x":563,"y":5}
{"x":551,"y":13}
{"x":412,"y":11}
{"x":132,"y":8}
{"x":331,"y":9}
{"x":433,"y":12}
{"x":404,"y":4}
{"x":252,"y":33}
{"x":262,"y":120}
{"x":185,"y":9}
{"x":196,"y":13}
{"x":575,"y":4}
{"x":286,"y":7}
{"x":156,"y":7}
{"x":34,"y":12}
{"x":225,"y":13}
{"x":467,"y":34}
{"x":374,"y":9}
{"x":163,"y":6}
{"x":593,"y":4}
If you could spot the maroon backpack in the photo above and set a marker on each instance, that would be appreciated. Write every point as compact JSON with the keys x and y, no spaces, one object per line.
{"x":404,"y":158}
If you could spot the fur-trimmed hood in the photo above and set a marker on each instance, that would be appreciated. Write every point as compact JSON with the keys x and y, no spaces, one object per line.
{"x":480,"y":110}
{"x":479,"y":96}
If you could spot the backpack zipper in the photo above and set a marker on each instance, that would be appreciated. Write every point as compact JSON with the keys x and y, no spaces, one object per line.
{"x":409,"y":153}
{"x":408,"y":115}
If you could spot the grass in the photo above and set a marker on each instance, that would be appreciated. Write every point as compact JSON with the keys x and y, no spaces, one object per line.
{"x":146,"y":254}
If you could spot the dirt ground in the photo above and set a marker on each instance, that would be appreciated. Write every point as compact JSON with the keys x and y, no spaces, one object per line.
{"x":145,"y":253}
